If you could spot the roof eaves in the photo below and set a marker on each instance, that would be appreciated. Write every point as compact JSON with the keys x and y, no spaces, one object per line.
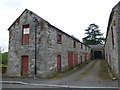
{"x":67,"y":34}
{"x":17,"y":18}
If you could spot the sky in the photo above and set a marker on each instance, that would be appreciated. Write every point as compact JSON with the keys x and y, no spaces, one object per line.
{"x":70,"y":16}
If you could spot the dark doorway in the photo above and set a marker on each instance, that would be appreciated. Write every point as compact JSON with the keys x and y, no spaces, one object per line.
{"x":59,"y":63}
{"x":97,"y":55}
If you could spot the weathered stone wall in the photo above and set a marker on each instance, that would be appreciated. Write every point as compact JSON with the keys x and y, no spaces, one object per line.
{"x":118,"y":28}
{"x":112,"y":50}
{"x":47,"y":47}
{"x":54,"y":49}
{"x":16,"y":49}
{"x":97,"y":48}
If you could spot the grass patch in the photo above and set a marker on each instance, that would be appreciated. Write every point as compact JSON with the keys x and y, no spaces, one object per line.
{"x":76,"y":69}
{"x":103,"y":74}
{"x":61,"y":75}
{"x":3,"y":65}
{"x":57,"y":77}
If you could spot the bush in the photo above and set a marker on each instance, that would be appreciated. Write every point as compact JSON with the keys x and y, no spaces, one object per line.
{"x":4,"y":58}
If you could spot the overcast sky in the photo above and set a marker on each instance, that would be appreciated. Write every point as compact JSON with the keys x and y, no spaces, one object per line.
{"x":70,"y":16}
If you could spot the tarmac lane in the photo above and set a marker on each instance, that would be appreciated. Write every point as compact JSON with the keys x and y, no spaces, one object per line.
{"x":92,"y":75}
{"x":95,"y":74}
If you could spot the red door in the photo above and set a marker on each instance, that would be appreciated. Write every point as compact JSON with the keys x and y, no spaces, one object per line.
{"x":59,"y":63}
{"x":70,"y":60}
{"x":24,"y":65}
{"x":75,"y":59}
{"x":85,"y":57}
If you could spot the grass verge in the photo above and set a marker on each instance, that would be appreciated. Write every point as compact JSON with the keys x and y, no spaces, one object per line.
{"x":103,"y":74}
{"x":61,"y":75}
{"x":3,"y":65}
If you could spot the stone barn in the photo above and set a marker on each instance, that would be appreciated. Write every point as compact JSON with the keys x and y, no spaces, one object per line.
{"x":112,"y":45}
{"x":97,"y":51}
{"x":37,"y":48}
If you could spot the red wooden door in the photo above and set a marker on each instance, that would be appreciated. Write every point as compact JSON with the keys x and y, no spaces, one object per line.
{"x":24,"y":65}
{"x":85,"y":57}
{"x":70,"y":60}
{"x":75,"y":59}
{"x":59,"y":63}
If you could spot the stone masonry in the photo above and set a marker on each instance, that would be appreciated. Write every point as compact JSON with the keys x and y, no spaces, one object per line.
{"x":95,"y":49}
{"x":112,"y":49}
{"x":46,"y":42}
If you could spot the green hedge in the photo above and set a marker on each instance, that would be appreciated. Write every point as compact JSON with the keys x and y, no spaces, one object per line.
{"x":4,"y":58}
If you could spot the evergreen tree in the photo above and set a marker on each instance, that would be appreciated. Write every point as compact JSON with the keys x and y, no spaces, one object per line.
{"x":94,"y":36}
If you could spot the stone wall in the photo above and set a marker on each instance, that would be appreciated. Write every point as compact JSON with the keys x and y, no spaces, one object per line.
{"x":16,"y":49}
{"x":46,"y":45}
{"x":112,"y":49}
{"x":97,"y":48}
{"x":66,"y":46}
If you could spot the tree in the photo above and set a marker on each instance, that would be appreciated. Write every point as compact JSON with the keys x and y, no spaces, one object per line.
{"x":5,"y":58}
{"x":0,"y":56}
{"x":94,"y":36}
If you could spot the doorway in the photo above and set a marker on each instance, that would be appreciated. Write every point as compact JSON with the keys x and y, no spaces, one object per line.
{"x":97,"y":55}
{"x":24,"y":66}
{"x":70,"y":60}
{"x":59,"y":63}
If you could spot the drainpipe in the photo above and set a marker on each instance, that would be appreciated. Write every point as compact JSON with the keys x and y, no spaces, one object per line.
{"x":35,"y":69}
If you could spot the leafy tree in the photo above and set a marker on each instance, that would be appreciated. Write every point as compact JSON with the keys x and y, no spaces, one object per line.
{"x":5,"y":58}
{"x":0,"y":56}
{"x":94,"y":36}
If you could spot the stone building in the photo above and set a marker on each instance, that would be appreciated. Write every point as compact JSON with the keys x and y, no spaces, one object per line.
{"x":112,"y":45}
{"x":97,"y":52}
{"x":37,"y":48}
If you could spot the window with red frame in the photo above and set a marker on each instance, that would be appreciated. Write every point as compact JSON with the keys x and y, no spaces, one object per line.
{"x":25,"y":34}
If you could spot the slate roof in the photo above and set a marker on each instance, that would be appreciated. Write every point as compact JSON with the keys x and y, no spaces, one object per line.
{"x":50,"y":26}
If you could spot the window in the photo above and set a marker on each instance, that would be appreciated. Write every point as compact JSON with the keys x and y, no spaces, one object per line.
{"x":85,"y":47}
{"x":42,"y":25}
{"x":74,"y":44}
{"x":59,"y":38}
{"x":81,"y":46}
{"x":25,"y":34}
